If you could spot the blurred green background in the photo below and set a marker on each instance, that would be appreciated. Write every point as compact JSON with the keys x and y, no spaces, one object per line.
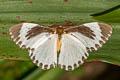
{"x":15,"y":63}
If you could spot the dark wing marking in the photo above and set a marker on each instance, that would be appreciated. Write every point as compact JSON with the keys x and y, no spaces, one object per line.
{"x":81,"y":29}
{"x":37,"y":30}
{"x":15,"y":31}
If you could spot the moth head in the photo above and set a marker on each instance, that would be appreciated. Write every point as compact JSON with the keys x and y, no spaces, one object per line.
{"x":60,"y":29}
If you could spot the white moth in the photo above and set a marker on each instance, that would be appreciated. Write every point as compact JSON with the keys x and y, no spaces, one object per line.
{"x":63,"y":45}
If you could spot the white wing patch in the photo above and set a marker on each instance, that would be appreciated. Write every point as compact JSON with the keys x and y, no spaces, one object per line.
{"x":97,"y":42}
{"x":45,"y":53}
{"x":72,"y":53}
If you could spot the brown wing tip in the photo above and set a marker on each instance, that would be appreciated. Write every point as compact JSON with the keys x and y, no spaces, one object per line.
{"x":106,"y":31}
{"x":15,"y":26}
{"x":105,"y":25}
{"x":14,"y":31}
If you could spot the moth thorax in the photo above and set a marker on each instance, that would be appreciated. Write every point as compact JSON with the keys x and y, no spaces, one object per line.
{"x":59,"y":30}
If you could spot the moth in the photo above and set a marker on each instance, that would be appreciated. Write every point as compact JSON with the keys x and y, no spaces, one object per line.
{"x":66,"y":46}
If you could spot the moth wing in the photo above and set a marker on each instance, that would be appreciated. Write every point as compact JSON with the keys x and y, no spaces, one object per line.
{"x":39,"y":42}
{"x":92,"y":35}
{"x":45,"y":53}
{"x":72,"y":53}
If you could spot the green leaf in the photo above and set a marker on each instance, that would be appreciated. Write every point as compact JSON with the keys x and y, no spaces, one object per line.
{"x":52,"y":74}
{"x":12,"y":70}
{"x":35,"y":74}
{"x":48,"y":12}
{"x":111,"y":15}
{"x":110,"y":51}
